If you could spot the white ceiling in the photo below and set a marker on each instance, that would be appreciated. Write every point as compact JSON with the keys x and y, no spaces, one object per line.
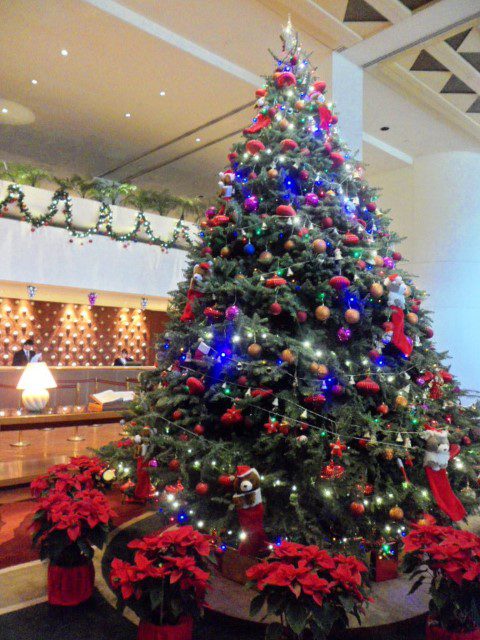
{"x":115,"y":67}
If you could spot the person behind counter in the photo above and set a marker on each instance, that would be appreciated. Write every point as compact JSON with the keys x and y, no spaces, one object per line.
{"x":123,"y":360}
{"x":24,"y":355}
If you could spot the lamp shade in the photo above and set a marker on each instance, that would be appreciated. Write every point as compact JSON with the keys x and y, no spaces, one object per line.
{"x":36,"y":375}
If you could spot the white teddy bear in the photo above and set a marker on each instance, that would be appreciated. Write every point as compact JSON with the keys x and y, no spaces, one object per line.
{"x":396,"y":291}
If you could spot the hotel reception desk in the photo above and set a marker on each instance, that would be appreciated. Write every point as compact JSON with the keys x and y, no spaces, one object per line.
{"x":74,"y":384}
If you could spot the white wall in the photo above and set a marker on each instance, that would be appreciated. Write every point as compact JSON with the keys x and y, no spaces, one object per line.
{"x":46,"y":257}
{"x":436,"y":203}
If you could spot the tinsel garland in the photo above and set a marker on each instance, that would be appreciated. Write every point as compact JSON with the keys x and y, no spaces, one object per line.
{"x":103,"y":226}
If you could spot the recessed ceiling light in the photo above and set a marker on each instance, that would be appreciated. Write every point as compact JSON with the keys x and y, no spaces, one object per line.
{"x":34,"y":81}
{"x":384,"y":128}
{"x":64,"y":52}
{"x":4,"y":110}
{"x":162,"y":93}
{"x":197,"y":139}
{"x":128,"y":115}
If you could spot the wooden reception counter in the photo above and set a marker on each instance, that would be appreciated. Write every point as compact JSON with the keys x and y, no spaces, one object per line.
{"x":75,"y":384}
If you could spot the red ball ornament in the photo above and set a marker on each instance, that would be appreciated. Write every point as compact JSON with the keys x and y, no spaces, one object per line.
{"x":466,"y":440}
{"x":286,"y":211}
{"x":242,"y":381}
{"x":276,"y":281}
{"x":382,"y":409}
{"x":285,"y":79}
{"x":302,"y":316}
{"x":254,"y":146}
{"x":332,"y":471}
{"x":374,"y":355}
{"x":361,"y":264}
{"x":225,"y":481}
{"x":174,"y":465}
{"x":195,"y":386}
{"x":288,"y":145}
{"x":183,"y":437}
{"x":201,"y":489}
{"x":338,"y":390}
{"x":367,"y":387}
{"x":351,"y":239}
{"x":303,"y":174}
{"x":429,"y":332}
{"x":199,"y":429}
{"x":396,"y":256}
{"x":337,"y":159}
{"x":320,"y":86}
{"x":357,"y":509}
{"x":327,"y":223}
{"x":368,"y":489}
{"x":339,"y":282}
{"x":275,"y":309}
{"x":371,"y":206}
{"x":177,"y":414}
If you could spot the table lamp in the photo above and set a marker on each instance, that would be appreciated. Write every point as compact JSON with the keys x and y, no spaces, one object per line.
{"x":35,"y":380}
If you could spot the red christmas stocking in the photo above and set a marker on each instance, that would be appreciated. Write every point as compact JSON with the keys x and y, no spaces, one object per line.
{"x":188,"y":315}
{"x":443,"y":494}
{"x":261,"y":123}
{"x":143,"y":489}
{"x":399,"y":339}
{"x":251,"y":522}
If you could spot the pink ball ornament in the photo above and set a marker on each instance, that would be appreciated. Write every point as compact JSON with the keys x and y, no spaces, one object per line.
{"x":210,"y":212}
{"x":311,"y":199}
{"x":303,"y":174}
{"x":388,"y":263}
{"x":344,"y":334}
{"x":275,"y":309}
{"x":302,"y":316}
{"x":338,"y":390}
{"x":250,"y":204}
{"x":153,"y":463}
{"x":232,"y":312}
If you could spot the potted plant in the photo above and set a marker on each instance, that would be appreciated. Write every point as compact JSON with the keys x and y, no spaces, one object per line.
{"x":451,"y":559}
{"x":66,"y":527}
{"x":309,"y":590}
{"x":165,"y":584}
{"x":82,"y":472}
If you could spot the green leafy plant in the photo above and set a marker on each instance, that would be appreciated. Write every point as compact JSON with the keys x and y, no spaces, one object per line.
{"x":24,"y":174}
{"x":83,"y":186}
{"x":111,"y":191}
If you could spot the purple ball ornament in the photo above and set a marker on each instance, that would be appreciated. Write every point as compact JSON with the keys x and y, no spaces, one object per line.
{"x":211,"y":212}
{"x":420,"y":381}
{"x":344,"y":334}
{"x":251,"y":204}
{"x":311,"y":199}
{"x":388,"y":263}
{"x":153,"y":463}
{"x":232,"y":312}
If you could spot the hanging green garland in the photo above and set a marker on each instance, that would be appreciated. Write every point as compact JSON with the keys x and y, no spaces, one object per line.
{"x":104,"y":225}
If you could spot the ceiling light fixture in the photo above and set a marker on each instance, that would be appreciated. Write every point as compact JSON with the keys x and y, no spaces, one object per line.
{"x":384,"y":128}
{"x":4,"y":110}
{"x":162,"y":93}
{"x":197,"y":139}
{"x":128,"y":115}
{"x":64,"y":53}
{"x":34,"y":81}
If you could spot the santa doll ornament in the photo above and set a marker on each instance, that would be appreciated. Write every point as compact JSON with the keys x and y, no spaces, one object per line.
{"x":438,"y":453}
{"x":248,"y":503}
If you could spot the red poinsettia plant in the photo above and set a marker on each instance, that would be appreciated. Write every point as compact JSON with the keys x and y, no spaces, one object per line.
{"x":68,"y":525}
{"x":450,"y":558}
{"x":167,"y":578}
{"x":310,"y":590}
{"x":82,"y":472}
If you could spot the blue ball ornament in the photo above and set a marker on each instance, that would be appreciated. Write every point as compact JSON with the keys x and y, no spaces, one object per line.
{"x":249,"y":249}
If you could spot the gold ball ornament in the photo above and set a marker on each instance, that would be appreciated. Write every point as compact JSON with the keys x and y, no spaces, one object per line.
{"x":265,"y":257}
{"x":352,"y":316}
{"x":322,"y":313}
{"x":319,"y":246}
{"x":299,"y":105}
{"x":272,"y":174}
{"x":396,"y":513}
{"x":289,"y":245}
{"x":401,"y":402}
{"x":376,"y":290}
{"x":378,"y":260}
{"x":388,"y":454}
{"x":408,"y":291}
{"x":254,"y":350}
{"x":288,"y":356}
{"x":322,"y":371}
{"x":411,"y":317}
{"x":225,"y":252}
{"x":314,"y":368}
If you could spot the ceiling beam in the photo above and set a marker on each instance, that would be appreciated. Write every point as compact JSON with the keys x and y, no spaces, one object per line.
{"x":156,"y":30}
{"x":393,"y":10}
{"x":387,"y":148}
{"x":420,"y":27}
{"x":451,"y":59}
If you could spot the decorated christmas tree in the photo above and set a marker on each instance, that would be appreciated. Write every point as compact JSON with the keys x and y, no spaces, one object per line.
{"x":298,"y":392}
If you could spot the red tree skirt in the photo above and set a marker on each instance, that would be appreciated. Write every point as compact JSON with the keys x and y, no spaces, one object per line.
{"x":181,"y":631}
{"x":69,"y":586}
{"x":443,"y":494}
{"x":437,"y":633}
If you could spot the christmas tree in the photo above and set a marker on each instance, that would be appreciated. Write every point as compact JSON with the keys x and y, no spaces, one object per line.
{"x":297,"y":381}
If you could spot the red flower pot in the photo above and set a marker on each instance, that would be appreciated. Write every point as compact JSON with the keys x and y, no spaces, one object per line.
{"x":437,"y":633}
{"x":69,"y":586}
{"x":181,"y":631}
